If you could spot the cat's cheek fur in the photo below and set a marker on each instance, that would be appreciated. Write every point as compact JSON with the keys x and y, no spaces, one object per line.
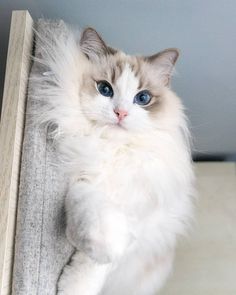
{"x":98,"y":109}
{"x":137,"y":120}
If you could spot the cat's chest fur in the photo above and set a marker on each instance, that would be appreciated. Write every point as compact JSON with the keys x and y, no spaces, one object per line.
{"x":129,"y":173}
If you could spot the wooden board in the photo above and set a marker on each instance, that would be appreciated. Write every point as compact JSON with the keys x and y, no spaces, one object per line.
{"x":11,"y":136}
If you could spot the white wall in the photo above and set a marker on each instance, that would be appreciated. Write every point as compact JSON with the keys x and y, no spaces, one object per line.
{"x":205,"y":31}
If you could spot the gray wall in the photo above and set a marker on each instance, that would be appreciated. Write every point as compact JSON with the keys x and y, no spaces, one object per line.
{"x":205,"y":31}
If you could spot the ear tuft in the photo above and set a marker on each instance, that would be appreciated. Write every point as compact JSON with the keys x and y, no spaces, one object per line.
{"x":92,"y":44}
{"x":164,"y":62}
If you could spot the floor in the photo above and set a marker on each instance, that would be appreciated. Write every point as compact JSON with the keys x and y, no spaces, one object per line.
{"x":206,"y":261}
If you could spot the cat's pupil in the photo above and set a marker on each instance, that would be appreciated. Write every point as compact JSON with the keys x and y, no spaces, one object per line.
{"x":105,"y":89}
{"x":142,"y":98}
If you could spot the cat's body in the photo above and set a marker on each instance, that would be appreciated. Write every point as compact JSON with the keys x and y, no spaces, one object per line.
{"x":129,"y":165}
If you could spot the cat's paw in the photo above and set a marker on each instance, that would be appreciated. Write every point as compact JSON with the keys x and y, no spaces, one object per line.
{"x":83,"y":276}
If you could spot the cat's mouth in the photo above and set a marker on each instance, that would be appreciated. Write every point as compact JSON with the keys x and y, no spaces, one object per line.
{"x":119,"y":125}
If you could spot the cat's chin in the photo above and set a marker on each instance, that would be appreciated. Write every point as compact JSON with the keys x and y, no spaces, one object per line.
{"x":118,"y":127}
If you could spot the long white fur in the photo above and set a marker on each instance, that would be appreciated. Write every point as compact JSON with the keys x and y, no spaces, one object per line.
{"x":134,"y":185}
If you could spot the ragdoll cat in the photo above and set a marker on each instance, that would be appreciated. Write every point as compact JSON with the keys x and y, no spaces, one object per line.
{"x":123,"y":139}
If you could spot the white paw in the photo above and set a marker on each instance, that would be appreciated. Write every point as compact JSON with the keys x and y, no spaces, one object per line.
{"x":82,"y":277}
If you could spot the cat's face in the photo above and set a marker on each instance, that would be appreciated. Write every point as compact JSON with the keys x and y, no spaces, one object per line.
{"x":123,"y":91}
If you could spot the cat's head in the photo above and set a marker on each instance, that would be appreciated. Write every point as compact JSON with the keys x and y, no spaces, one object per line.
{"x":120,"y":90}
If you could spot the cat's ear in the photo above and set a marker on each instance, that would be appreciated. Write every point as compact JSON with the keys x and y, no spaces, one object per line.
{"x":93,"y":46}
{"x":163,"y":62}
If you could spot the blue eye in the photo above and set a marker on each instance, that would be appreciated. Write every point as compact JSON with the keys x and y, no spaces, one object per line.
{"x":105,"y":88}
{"x":142,"y":98}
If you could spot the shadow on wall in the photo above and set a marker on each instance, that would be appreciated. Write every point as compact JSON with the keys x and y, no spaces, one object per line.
{"x":214,"y":157}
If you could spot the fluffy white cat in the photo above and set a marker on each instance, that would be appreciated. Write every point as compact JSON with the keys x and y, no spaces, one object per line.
{"x":123,"y":140}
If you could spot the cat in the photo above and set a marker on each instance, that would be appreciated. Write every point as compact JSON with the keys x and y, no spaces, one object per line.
{"x":123,"y":141}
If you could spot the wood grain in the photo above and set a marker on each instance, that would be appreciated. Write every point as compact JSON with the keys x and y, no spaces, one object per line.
{"x":11,"y":136}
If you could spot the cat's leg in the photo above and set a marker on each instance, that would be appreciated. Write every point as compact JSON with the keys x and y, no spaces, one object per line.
{"x":100,"y":234}
{"x":83,"y":276}
{"x":94,"y":226}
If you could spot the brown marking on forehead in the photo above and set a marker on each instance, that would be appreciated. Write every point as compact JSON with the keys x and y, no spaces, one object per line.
{"x":141,"y":72}
{"x":140,"y":85}
{"x":111,"y":67}
{"x":88,"y":85}
{"x":115,"y":69}
{"x":147,"y":80}
{"x":113,"y":75}
{"x":137,"y":65}
{"x":119,"y":67}
{"x":108,"y":68}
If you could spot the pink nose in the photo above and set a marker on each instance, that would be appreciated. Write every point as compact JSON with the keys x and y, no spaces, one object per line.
{"x":121,"y":114}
